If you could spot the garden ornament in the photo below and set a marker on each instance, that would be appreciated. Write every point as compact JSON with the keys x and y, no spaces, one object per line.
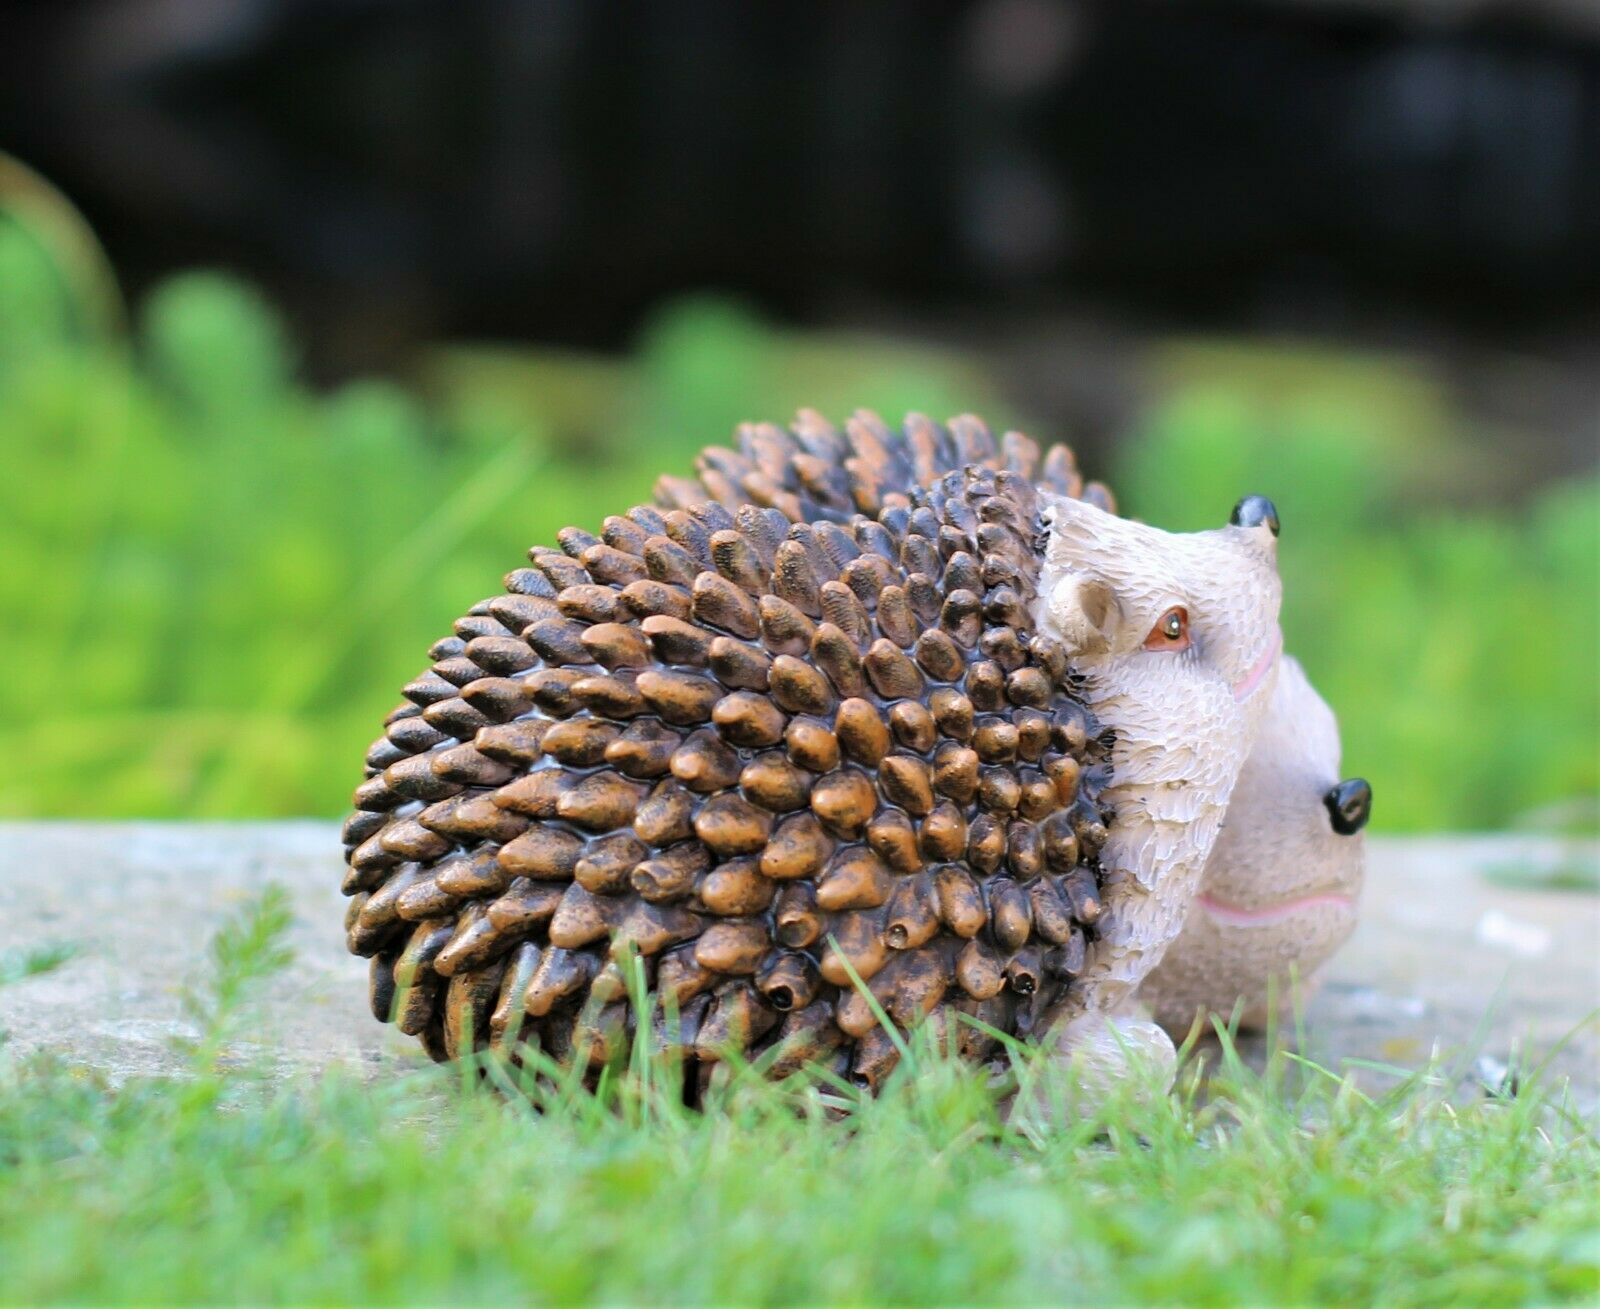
{"x":856,"y":725}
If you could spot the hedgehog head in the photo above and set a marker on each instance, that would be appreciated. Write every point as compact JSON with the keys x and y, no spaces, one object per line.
{"x":1176,"y":639}
{"x":1135,"y":606}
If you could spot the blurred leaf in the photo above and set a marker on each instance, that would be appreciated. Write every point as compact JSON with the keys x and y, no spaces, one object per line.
{"x":216,"y":344}
{"x":1576,"y":874}
{"x":59,"y":285}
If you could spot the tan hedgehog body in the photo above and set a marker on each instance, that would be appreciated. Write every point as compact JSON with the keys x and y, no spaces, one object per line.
{"x":832,"y":709}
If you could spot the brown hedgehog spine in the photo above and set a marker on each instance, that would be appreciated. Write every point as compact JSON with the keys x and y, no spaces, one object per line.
{"x":794,"y":717}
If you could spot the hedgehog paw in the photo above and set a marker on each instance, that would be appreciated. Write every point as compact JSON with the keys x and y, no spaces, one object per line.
{"x":1094,"y":1056}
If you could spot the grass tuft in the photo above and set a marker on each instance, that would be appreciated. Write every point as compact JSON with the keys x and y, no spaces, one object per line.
{"x":16,"y":965}
{"x":1290,"y":1186}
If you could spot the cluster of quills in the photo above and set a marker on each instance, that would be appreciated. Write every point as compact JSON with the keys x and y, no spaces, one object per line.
{"x":791,"y":724}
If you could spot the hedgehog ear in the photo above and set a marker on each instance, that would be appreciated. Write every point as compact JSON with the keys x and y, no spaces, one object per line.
{"x":1077,"y":530}
{"x":1085,"y":613}
{"x":1255,"y":511}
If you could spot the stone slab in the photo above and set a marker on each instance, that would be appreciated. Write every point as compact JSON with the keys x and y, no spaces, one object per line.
{"x":1447,"y":956}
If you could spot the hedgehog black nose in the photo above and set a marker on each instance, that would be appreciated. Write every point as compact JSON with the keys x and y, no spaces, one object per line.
{"x":1254,"y":510}
{"x":1349,"y":805}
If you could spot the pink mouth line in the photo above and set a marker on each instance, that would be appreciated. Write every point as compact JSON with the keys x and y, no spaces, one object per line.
{"x":1229,"y":915}
{"x":1243,"y":690}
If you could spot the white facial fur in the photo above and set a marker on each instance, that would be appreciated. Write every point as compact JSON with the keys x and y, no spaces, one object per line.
{"x":1280,"y":888}
{"x":1184,"y":722}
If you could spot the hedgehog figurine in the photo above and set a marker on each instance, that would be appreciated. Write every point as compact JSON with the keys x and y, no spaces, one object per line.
{"x":866,"y":719}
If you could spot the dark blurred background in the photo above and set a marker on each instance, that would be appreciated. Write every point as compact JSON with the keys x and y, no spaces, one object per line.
{"x":1414,"y":172}
{"x":1295,"y":229}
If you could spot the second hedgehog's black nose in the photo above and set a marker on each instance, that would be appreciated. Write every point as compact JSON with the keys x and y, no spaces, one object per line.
{"x":1254,"y":510}
{"x":1349,"y":805}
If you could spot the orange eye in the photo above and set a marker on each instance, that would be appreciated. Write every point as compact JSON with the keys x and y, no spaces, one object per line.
{"x":1171,"y":631}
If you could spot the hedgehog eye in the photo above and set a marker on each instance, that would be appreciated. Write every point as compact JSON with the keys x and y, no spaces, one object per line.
{"x":1171,"y":631}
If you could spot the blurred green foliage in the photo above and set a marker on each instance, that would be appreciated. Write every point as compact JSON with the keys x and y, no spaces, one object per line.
{"x":228,"y":574}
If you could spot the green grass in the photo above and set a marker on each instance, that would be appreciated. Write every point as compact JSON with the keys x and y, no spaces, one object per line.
{"x":1290,"y":1188}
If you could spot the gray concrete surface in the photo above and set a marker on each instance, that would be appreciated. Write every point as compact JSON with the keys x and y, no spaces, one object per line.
{"x":1447,"y":956}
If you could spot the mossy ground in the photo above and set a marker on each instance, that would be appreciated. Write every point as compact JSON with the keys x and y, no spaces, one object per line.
{"x":1284,"y":1188}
